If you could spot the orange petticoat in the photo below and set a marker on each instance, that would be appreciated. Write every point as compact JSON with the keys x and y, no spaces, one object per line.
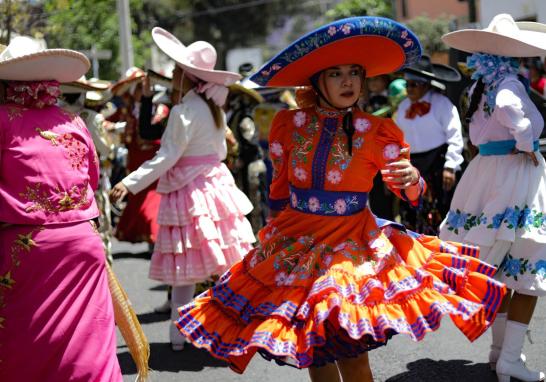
{"x":321,"y":288}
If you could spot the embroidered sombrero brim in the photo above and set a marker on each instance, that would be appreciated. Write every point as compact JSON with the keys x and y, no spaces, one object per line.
{"x":528,"y":41}
{"x":378,"y":44}
{"x":62,"y":65}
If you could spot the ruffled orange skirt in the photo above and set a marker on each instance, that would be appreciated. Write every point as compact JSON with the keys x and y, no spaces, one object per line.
{"x":318,"y":289}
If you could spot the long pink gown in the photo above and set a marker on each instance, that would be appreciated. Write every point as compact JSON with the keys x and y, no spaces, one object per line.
{"x":56,"y":314}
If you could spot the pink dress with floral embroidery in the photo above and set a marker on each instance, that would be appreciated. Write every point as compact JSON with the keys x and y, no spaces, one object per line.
{"x":56,"y":314}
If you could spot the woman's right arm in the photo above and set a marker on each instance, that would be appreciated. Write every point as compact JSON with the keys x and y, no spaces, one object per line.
{"x":173,"y":143}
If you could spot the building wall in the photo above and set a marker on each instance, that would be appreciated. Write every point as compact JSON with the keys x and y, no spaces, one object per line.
{"x":519,"y":9}
{"x":431,"y":8}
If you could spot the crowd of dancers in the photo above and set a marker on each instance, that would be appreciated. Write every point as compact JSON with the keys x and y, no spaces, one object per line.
{"x":322,"y":204}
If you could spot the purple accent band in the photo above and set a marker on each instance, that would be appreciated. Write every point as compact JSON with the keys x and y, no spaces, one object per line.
{"x":321,"y":155}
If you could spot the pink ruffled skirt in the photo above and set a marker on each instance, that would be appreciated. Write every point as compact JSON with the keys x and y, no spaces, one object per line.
{"x":202,"y":226}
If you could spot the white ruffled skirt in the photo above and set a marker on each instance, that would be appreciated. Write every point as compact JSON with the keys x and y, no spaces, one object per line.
{"x":500,"y":206}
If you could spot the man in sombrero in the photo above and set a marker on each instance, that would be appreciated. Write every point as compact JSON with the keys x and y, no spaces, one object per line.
{"x":328,"y":281}
{"x":432,"y":127}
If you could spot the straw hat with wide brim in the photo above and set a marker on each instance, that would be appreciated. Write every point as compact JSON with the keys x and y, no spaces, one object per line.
{"x":132,"y":76}
{"x":25,"y":60}
{"x":198,"y":58}
{"x":240,"y":89}
{"x":83,"y":85}
{"x":378,"y":44}
{"x":503,"y":37}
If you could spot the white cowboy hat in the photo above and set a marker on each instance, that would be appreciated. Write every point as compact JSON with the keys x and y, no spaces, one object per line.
{"x":132,"y":76}
{"x":25,"y":60}
{"x":198,"y":58}
{"x":503,"y":37}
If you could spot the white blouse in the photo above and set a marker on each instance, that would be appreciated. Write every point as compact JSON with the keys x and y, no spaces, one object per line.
{"x":190,"y":131}
{"x":441,"y":125}
{"x":514,"y":117}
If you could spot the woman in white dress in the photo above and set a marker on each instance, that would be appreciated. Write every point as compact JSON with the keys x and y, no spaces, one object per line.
{"x":500,"y":202}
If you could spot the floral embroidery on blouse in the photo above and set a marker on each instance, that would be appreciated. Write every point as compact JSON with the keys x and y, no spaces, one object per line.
{"x":73,"y":199}
{"x":515,"y":267}
{"x":76,"y":150}
{"x":276,"y":153}
{"x":512,"y":218}
{"x":391,"y":151}
{"x":304,"y":143}
{"x":339,"y":153}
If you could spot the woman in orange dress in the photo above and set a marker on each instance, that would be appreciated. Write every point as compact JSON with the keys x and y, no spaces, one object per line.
{"x":328,"y":280}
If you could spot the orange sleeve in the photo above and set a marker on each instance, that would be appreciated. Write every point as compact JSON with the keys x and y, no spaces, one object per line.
{"x":391,"y":146}
{"x":279,"y":140}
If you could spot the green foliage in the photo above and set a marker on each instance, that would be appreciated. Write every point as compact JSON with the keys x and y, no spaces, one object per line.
{"x":429,"y":31}
{"x":348,"y":8}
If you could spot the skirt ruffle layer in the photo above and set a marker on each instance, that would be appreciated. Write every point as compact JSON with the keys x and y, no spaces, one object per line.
{"x":203,"y":230}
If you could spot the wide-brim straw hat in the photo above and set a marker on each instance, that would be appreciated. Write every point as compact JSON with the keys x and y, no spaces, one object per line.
{"x":157,"y":78}
{"x":503,"y":37}
{"x":378,"y":44}
{"x":83,"y":85}
{"x":198,"y":58}
{"x":25,"y":60}
{"x":251,"y":93}
{"x":132,"y":76}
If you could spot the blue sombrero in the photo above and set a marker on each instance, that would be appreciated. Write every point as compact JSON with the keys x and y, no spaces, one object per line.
{"x":378,"y":44}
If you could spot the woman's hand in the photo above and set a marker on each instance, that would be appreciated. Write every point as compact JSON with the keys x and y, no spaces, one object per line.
{"x":448,"y":179}
{"x":118,"y":192}
{"x":529,"y":154}
{"x":400,"y":174}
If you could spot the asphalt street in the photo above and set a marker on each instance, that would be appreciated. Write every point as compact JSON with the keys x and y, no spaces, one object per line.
{"x":445,"y":355}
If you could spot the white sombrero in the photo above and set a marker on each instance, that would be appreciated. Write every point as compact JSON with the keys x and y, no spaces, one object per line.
{"x":25,"y":60}
{"x":198,"y":58}
{"x":503,"y":37}
{"x":82,"y":85}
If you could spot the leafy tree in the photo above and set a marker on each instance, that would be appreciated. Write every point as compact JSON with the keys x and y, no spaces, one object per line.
{"x":348,"y":8}
{"x":429,"y":31}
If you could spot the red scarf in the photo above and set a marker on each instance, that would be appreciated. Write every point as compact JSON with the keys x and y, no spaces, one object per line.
{"x":417,"y":109}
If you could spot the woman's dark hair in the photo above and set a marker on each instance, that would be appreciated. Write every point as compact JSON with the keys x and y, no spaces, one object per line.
{"x":475,"y":100}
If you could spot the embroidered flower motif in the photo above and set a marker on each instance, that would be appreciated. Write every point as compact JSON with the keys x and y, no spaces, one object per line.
{"x":512,"y":267}
{"x":275,"y":148}
{"x":332,"y":30}
{"x":362,"y":125}
{"x":276,"y":67}
{"x":340,"y":247}
{"x":540,"y":268}
{"x":404,"y":34}
{"x":377,"y":243}
{"x":294,"y":200}
{"x":327,"y":260}
{"x":511,"y":216}
{"x":346,"y":29}
{"x":333,"y":176}
{"x":280,"y":278}
{"x":299,"y":118}
{"x":314,"y":204}
{"x":391,"y":151}
{"x":408,"y":43}
{"x":340,"y":206}
{"x":300,"y":174}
